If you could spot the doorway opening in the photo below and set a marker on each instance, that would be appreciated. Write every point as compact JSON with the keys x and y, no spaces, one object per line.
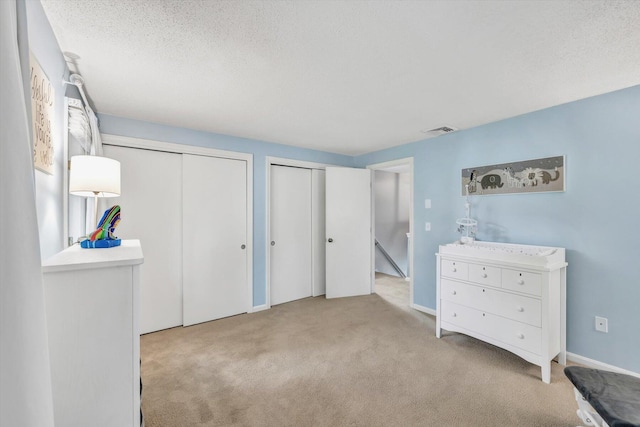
{"x":392,"y":258}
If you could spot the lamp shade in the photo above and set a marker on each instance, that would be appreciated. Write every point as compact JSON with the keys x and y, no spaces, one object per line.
{"x":94,"y":176}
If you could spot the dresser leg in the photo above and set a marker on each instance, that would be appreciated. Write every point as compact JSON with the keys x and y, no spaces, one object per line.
{"x":546,"y":373}
{"x":562,"y":358}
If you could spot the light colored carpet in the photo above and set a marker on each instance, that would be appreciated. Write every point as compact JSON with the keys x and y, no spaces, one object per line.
{"x":392,"y":289}
{"x":360,"y":361}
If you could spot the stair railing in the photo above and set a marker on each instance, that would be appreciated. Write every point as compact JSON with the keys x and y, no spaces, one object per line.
{"x":391,"y":261}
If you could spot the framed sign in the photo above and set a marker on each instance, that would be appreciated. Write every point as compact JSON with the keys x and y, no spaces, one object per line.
{"x":42,"y":113}
{"x":527,"y":176}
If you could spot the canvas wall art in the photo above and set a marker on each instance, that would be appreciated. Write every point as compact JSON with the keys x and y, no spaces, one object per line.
{"x":42,"y":115}
{"x":528,"y":176}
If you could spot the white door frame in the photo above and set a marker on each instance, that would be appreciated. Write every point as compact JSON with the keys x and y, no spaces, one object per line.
{"x":384,"y":166}
{"x":146,"y":144}
{"x":270,"y":161}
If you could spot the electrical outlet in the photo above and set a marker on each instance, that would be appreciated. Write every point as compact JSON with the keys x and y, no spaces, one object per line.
{"x":602,"y":324}
{"x":427,"y":226}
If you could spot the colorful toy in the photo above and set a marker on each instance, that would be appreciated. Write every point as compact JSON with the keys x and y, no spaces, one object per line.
{"x":103,"y":236}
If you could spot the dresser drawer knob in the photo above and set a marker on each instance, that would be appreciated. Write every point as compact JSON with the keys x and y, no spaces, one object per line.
{"x":453,"y":292}
{"x":453,"y":314}
{"x":521,"y":336}
{"x":521,"y":282}
{"x":454,"y":269}
{"x":520,"y":309}
{"x":484,"y":275}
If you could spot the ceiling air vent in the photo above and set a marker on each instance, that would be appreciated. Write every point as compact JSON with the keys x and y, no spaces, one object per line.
{"x":439,"y":131}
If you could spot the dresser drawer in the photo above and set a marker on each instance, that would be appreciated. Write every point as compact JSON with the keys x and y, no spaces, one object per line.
{"x":454,"y":269}
{"x":510,"y":332}
{"x":520,"y":281}
{"x":517,"y":307}
{"x":460,"y":293}
{"x":485,"y":275}
{"x":494,"y":301}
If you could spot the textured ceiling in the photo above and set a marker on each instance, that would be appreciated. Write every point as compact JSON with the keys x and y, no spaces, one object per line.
{"x":344,"y":76}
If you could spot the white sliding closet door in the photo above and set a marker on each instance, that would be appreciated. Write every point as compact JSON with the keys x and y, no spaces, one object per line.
{"x":214,"y":231}
{"x":290,"y":232}
{"x":151,"y":204}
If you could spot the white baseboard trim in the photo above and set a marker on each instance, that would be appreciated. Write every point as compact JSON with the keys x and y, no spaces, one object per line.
{"x":423,"y":309}
{"x":259,"y":308}
{"x":590,"y":363}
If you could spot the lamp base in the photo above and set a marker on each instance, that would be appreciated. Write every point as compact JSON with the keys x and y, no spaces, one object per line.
{"x":97,"y":244}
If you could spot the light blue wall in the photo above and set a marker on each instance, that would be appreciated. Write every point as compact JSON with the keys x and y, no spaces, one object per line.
{"x":260,"y":150}
{"x":49,"y":191}
{"x":595,"y":219}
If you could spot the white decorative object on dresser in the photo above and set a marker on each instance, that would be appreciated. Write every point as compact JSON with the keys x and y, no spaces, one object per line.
{"x":511,"y":296}
{"x":91,"y":302}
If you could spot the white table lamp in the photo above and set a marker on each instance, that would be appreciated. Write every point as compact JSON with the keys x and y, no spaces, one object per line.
{"x":94,"y":176}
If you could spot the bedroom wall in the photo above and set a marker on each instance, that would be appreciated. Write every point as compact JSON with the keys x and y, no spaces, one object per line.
{"x":49,"y":191}
{"x":260,"y":150}
{"x":593,"y":219}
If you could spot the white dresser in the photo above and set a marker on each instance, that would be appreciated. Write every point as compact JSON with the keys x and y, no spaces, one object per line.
{"x":91,"y":300}
{"x":511,"y":296}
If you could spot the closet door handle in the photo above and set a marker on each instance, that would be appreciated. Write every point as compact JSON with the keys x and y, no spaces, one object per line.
{"x":273,"y":243}
{"x":243,"y":246}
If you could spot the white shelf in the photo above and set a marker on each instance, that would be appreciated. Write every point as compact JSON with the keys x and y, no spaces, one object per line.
{"x":77,"y":258}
